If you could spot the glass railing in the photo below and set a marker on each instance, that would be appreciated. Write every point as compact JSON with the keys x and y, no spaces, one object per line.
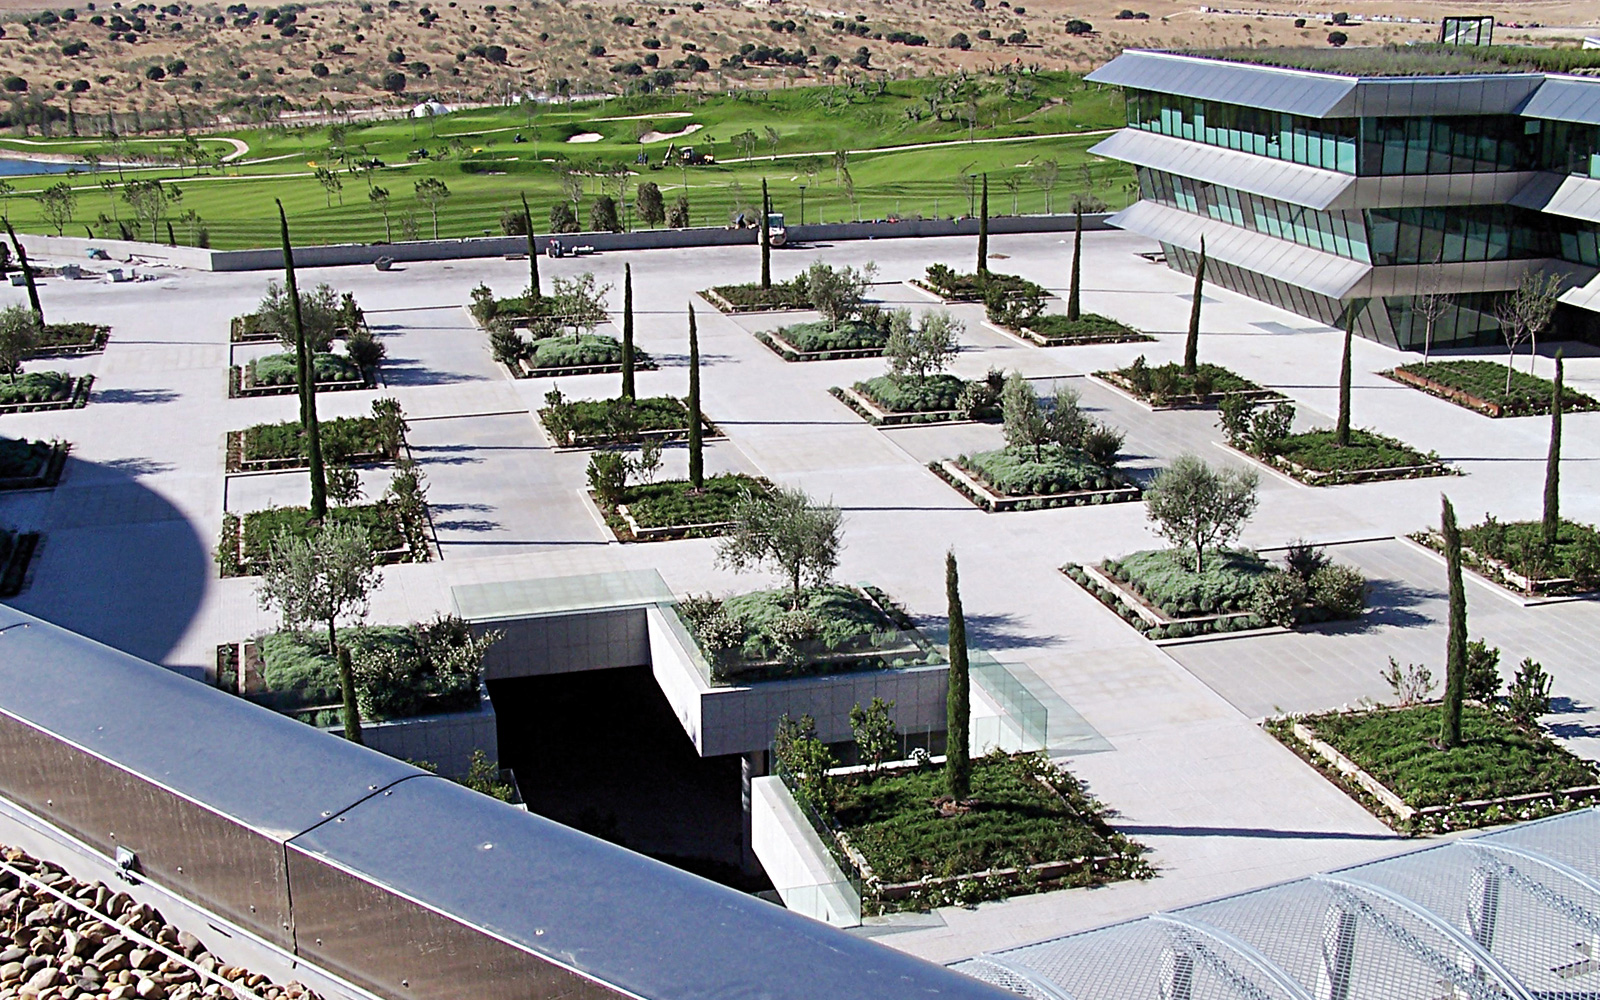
{"x":1023,"y":723}
{"x":843,"y":894}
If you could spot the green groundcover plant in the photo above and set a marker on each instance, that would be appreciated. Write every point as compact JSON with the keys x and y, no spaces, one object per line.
{"x":676,"y":502}
{"x":1088,"y":327}
{"x":1163,"y":382}
{"x":342,"y":439}
{"x":381,"y":520}
{"x":1023,"y":811}
{"x":1486,"y":380}
{"x":58,"y":335}
{"x":21,"y":459}
{"x":35,"y":387}
{"x":1520,"y":545}
{"x":1017,"y":472}
{"x":791,"y":294}
{"x":621,"y":419}
{"x":936,"y":393}
{"x":283,"y":369}
{"x":588,"y":349}
{"x":1167,"y":580}
{"x":1317,"y":451}
{"x":851,"y":334}
{"x":1496,"y":758}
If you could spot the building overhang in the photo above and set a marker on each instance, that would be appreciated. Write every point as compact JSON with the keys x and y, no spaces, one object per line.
{"x":1559,"y":194}
{"x":1565,"y":99}
{"x":1583,"y":296}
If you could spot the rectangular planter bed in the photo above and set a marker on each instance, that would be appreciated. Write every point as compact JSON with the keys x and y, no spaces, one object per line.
{"x":1119,"y":383}
{"x":231,"y":557}
{"x":625,"y":526}
{"x":1110,"y":332}
{"x":75,"y":396}
{"x":237,"y":390}
{"x":1532,"y":400}
{"x":19,"y":548}
{"x":1346,"y":477}
{"x":48,"y":471}
{"x":880,"y":417}
{"x":1150,"y":620}
{"x":1499,"y":573}
{"x":789,"y":352}
{"x":946,"y":297}
{"x":782,"y":303}
{"x":71,"y":339}
{"x":981,"y":495}
{"x":238,"y":463}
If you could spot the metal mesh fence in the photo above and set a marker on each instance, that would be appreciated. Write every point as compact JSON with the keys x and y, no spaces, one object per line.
{"x":1509,"y":915}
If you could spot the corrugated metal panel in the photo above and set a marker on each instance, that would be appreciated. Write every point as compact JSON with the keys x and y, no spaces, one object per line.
{"x":1566,"y":99}
{"x":1290,"y":182}
{"x":1323,"y":273}
{"x":621,"y":918}
{"x":1294,"y":91}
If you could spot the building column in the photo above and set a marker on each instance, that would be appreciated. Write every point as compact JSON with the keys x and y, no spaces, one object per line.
{"x":752,"y":765}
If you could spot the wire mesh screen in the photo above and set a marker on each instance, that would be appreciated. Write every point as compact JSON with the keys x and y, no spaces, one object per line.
{"x":1509,"y":915}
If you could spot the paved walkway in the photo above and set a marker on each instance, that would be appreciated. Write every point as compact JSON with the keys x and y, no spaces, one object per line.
{"x":1221,"y":805}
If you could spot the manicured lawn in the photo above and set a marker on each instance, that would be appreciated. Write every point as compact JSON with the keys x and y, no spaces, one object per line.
{"x":283,"y":369}
{"x":1166,"y":579}
{"x":22,"y":459}
{"x":1496,"y":759}
{"x":1315,"y":450}
{"x":936,"y":393}
{"x":1013,"y":821}
{"x":751,"y":296}
{"x":1026,"y":472}
{"x":1486,"y":381}
{"x":615,"y":419}
{"x":851,"y":334}
{"x":260,"y":527}
{"x":35,"y":387}
{"x":342,"y":438}
{"x":1089,"y":328}
{"x":758,"y":636}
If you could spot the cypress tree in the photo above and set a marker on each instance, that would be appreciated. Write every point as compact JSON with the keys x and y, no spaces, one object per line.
{"x":347,"y":687}
{"x":1341,"y":431}
{"x":27,"y":274}
{"x":627,"y":331}
{"x":533,"y":254}
{"x":697,"y":445}
{"x":766,"y":237}
{"x":1456,"y":643}
{"x":983,"y":228}
{"x":1074,"y":309}
{"x":308,"y":381}
{"x":1191,"y":346}
{"x":958,"y":692}
{"x":1552,"y":463}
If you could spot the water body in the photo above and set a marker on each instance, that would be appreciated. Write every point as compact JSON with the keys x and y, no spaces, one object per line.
{"x":10,"y":168}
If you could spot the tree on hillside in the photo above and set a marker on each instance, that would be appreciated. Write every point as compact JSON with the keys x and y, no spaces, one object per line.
{"x":379,"y":197}
{"x":647,"y":202}
{"x":1046,"y":173}
{"x":432,"y":192}
{"x":150,"y":200}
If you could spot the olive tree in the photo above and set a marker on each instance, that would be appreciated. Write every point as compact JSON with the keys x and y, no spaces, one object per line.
{"x":837,"y":293}
{"x":1023,"y":420}
{"x":57,"y":203}
{"x":432,"y":192}
{"x":19,"y":334}
{"x":1196,"y":507}
{"x":788,"y":530}
{"x":578,"y":303}
{"x":918,"y":351}
{"x":321,"y":578}
{"x":321,"y":314}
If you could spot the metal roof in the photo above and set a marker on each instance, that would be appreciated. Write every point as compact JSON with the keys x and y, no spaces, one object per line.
{"x":1586,"y":296}
{"x":206,"y":746}
{"x":1324,"y":273}
{"x":628,"y":921}
{"x":1269,"y":178}
{"x":1566,"y":99}
{"x":1297,"y":92}
{"x":1573,"y":197}
{"x":1509,"y":915}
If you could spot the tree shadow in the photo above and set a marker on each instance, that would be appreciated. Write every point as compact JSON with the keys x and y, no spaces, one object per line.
{"x":448,"y":454}
{"x":410,"y":372}
{"x":1260,"y":833}
{"x":137,"y":467}
{"x":139,"y":396}
{"x":1389,"y":604}
{"x":992,"y":632}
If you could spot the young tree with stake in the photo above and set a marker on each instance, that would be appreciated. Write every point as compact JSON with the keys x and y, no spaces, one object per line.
{"x":958,"y":691}
{"x":1456,"y":642}
{"x":627,"y":331}
{"x":1191,"y":346}
{"x":1552,"y":462}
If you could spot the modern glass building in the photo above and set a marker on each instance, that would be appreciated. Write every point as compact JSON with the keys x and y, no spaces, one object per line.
{"x":1323,"y":192}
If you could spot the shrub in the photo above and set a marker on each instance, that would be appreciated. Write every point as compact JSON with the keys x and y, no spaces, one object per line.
{"x":608,"y":477}
{"x":1278,"y":598}
{"x":1482,"y":678}
{"x":1167,"y":579}
{"x":562,"y":218}
{"x":1102,"y":442}
{"x":365,"y":350}
{"x":1529,"y":695}
{"x":1341,"y":591}
{"x":1303,"y":559}
{"x":1017,"y":472}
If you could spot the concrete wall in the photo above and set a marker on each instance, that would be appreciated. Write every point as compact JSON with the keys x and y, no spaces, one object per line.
{"x":564,"y":643}
{"x":446,"y":741}
{"x":499,"y":246}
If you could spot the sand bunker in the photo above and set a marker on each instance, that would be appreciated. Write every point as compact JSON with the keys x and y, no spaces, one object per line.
{"x":650,"y":137}
{"x":586,"y":137}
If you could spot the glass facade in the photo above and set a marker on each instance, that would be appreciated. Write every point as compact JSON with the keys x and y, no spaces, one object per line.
{"x":1339,"y":233}
{"x":1456,"y":234}
{"x":1469,"y":322}
{"x":1458,"y":144}
{"x":1569,"y":148}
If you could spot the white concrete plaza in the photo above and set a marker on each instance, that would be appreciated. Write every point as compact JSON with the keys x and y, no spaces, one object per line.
{"x":130,"y":529}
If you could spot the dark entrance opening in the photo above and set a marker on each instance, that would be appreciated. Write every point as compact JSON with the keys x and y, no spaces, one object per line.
{"x":602,"y":751}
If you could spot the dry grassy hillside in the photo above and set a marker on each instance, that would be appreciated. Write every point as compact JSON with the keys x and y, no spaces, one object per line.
{"x":252,"y":59}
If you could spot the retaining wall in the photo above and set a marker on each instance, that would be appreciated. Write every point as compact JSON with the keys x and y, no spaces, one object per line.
{"x":498,"y":246}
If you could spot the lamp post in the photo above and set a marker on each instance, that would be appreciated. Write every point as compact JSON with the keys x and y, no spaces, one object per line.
{"x":802,"y":204}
